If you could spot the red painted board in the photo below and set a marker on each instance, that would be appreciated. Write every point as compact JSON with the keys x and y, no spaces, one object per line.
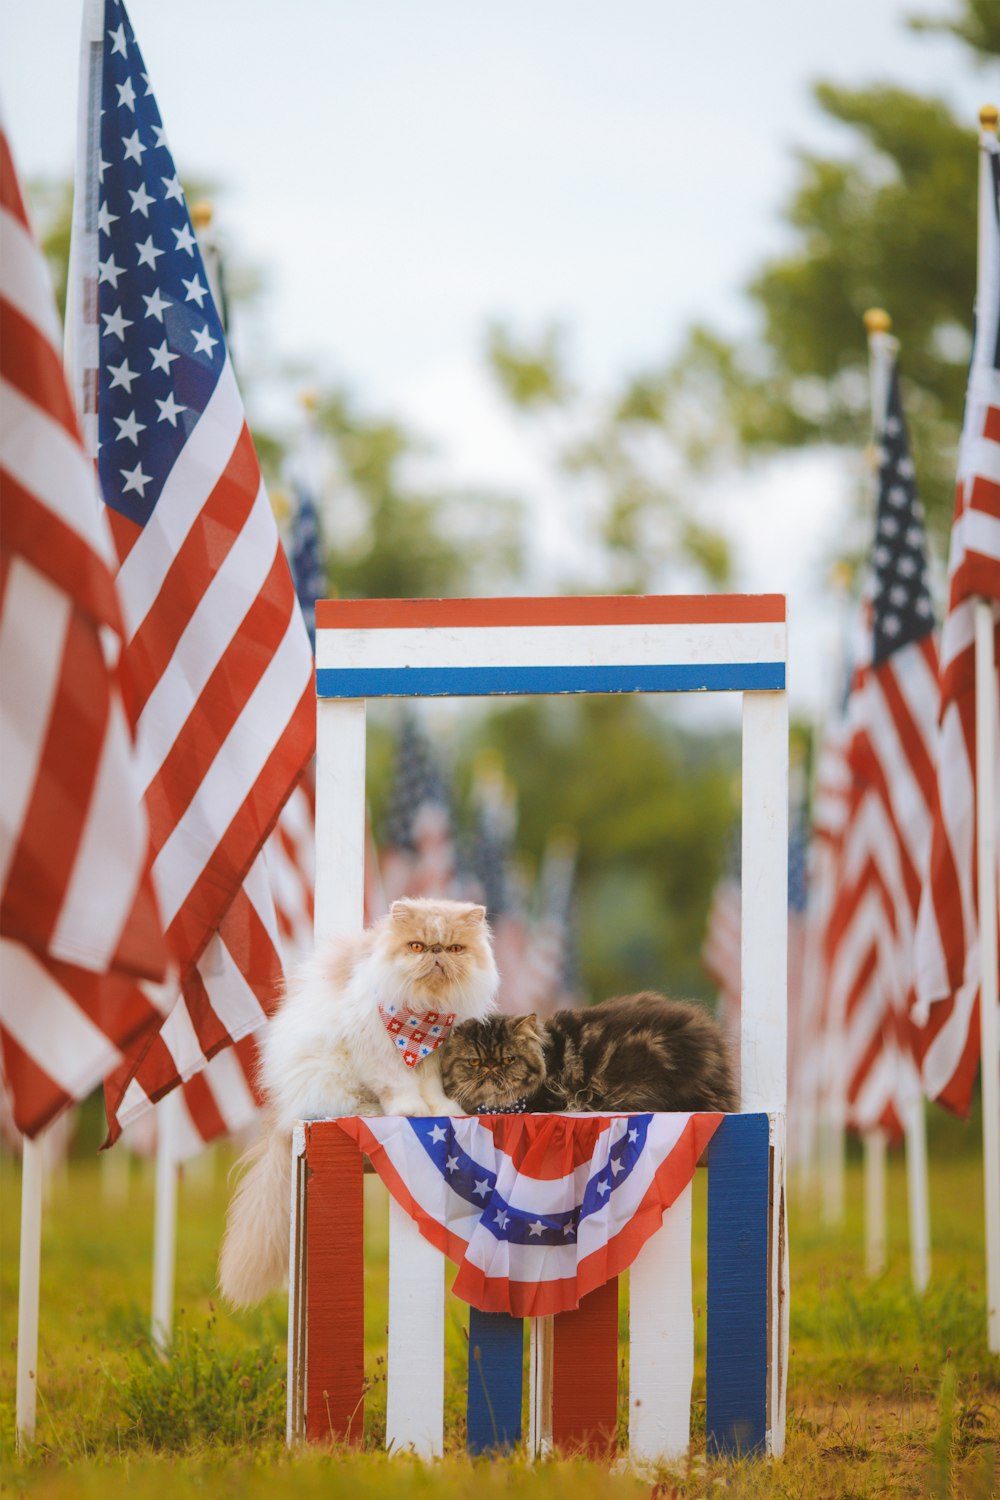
{"x":585,"y":1374}
{"x":335,"y":1305}
{"x":617,"y":609}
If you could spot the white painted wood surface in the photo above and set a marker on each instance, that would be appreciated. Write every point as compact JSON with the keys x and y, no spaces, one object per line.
{"x":918,"y":1196}
{"x":874,"y":1199}
{"x":764,"y":931}
{"x":340,"y":817}
{"x":540,"y":1353}
{"x":28,"y":1290}
{"x":989,"y":1008}
{"x":661,"y":1340}
{"x":165,"y":1221}
{"x":551,"y":645}
{"x":295,"y":1409}
{"x":414,"y":1417}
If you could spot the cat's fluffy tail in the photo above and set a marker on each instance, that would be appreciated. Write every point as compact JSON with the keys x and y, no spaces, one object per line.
{"x":253,"y":1260}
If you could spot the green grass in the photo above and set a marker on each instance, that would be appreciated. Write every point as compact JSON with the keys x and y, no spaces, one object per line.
{"x":889,"y":1394}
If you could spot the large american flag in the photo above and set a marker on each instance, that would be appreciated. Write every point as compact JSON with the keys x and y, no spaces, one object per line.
{"x":947,"y":971}
{"x":216,"y":655}
{"x":891,"y":715}
{"x":535,"y":1210}
{"x":79,"y":920}
{"x":418,"y":856}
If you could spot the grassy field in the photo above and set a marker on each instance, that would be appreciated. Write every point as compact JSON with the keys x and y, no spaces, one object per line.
{"x":888,"y":1394}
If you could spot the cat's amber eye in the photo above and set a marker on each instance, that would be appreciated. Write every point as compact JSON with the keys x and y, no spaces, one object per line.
{"x":416,"y":947}
{"x":457,"y":948}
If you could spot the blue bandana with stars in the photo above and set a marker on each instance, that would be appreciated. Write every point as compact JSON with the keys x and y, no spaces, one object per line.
{"x":162,"y":348}
{"x":901,"y":601}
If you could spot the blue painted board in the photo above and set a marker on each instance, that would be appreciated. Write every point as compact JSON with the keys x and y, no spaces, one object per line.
{"x":478,"y":682}
{"x":496,"y":1374}
{"x":738,"y":1219}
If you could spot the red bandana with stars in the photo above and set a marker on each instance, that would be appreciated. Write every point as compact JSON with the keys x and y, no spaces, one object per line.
{"x":417,"y":1033}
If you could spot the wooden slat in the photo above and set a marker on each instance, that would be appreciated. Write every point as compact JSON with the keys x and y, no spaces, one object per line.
{"x":590,"y":609}
{"x":585,"y":1374}
{"x":738,"y":1221}
{"x":414,"y":1418}
{"x":496,"y":1381}
{"x":295,"y":1408}
{"x":335,"y":1286}
{"x":661,"y":1339}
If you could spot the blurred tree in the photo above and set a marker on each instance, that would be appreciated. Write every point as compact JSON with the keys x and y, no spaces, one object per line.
{"x":652,"y":809}
{"x":626,"y":451}
{"x":889,"y":223}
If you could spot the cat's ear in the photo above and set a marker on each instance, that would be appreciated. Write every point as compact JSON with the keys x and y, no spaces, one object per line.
{"x":527,"y":1023}
{"x":400,"y":909}
{"x":477,"y":913}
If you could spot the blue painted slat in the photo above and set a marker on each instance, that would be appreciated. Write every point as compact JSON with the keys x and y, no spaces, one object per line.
{"x":736,"y":1374}
{"x":496,"y":1369}
{"x":479,"y":682}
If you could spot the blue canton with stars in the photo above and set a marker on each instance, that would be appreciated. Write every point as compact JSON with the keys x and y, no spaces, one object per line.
{"x":161,"y":343}
{"x":478,"y":1185}
{"x":902,"y":603}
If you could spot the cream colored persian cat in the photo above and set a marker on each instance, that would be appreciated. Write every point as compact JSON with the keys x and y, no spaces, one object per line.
{"x":356,"y":1034}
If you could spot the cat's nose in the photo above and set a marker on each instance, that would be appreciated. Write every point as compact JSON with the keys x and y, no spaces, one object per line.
{"x":437,"y":948}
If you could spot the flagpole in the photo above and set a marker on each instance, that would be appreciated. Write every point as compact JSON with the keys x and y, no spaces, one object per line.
{"x":986,"y":812}
{"x":882,"y":350}
{"x":165,"y":1222}
{"x":29,"y":1277}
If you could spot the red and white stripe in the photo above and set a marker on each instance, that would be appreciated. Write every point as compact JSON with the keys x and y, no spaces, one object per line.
{"x":81,"y":929}
{"x":220,"y":679}
{"x":947,"y":985}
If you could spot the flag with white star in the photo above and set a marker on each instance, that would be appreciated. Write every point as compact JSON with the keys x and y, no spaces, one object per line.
{"x":535,"y":1210}
{"x":217,"y":658}
{"x":883,"y":846}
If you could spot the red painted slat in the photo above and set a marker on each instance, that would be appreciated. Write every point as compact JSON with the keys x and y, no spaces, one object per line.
{"x":335,"y":1286}
{"x":652,"y":609}
{"x":585,"y":1374}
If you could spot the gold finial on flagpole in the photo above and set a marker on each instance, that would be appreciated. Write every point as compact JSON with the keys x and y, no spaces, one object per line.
{"x":202,"y":213}
{"x":988,"y":117}
{"x":309,"y":400}
{"x":877,"y":320}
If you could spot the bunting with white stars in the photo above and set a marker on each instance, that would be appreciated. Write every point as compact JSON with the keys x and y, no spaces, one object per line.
{"x":535,"y":1210}
{"x":216,"y":656}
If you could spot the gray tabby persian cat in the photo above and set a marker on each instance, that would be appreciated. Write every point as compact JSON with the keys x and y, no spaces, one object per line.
{"x":635,"y":1053}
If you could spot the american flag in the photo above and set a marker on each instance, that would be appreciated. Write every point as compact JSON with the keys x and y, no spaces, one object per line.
{"x":947,"y":965}
{"x":535,"y":1210}
{"x":216,"y":653}
{"x":418,"y":855}
{"x":891,"y":713}
{"x":306,"y":558}
{"x":81,"y":931}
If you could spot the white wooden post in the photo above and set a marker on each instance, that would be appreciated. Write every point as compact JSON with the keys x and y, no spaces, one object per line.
{"x":165,"y":1221}
{"x":28,"y":1290}
{"x":414,"y":1418}
{"x":661,"y":1340}
{"x":540,"y":1356}
{"x":340,"y":817}
{"x":764,"y":935}
{"x":989,"y":1002}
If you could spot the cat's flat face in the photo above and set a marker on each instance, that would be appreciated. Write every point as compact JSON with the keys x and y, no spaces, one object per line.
{"x":439,"y":951}
{"x":493,"y":1063}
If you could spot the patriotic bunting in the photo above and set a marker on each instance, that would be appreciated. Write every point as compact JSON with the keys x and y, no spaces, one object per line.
{"x":535,"y":1210}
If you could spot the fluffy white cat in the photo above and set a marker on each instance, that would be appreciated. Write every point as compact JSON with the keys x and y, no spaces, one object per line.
{"x":356,"y":1034}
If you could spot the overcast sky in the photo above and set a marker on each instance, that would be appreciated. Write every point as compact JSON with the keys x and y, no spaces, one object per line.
{"x":404,"y":172}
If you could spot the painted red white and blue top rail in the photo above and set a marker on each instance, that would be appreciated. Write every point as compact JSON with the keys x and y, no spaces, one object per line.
{"x":662,"y":643}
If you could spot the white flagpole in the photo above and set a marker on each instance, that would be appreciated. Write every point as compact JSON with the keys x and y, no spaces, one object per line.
{"x":989,"y":1002}
{"x":988,"y":316}
{"x":165,"y":1224}
{"x":28,"y":1290}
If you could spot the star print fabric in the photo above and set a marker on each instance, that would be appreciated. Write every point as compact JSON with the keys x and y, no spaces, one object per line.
{"x":535,"y":1210}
